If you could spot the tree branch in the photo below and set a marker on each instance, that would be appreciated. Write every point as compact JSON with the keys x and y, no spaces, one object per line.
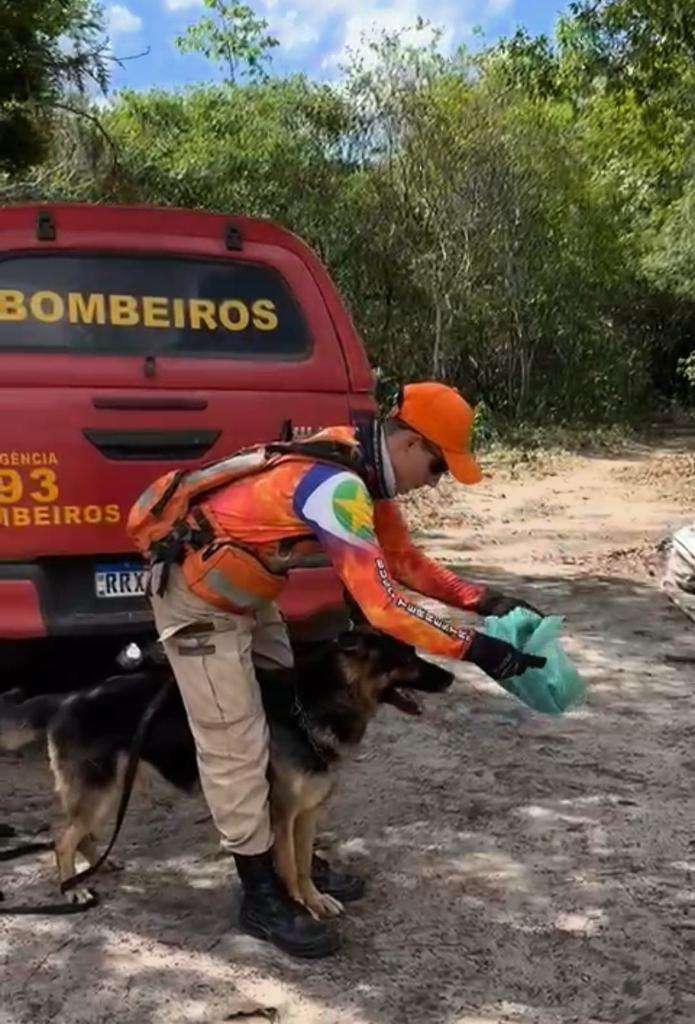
{"x":95,"y":121}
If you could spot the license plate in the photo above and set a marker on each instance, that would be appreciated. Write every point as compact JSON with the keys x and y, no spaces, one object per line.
{"x":120,"y":579}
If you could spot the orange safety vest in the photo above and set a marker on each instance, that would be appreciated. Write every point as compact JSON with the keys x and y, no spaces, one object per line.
{"x":172,"y":522}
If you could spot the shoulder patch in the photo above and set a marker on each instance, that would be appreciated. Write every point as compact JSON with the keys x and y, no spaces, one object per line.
{"x":354,"y":509}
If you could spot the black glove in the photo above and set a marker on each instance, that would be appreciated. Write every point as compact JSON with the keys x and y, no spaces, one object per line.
{"x":499,"y":659}
{"x":494,"y":603}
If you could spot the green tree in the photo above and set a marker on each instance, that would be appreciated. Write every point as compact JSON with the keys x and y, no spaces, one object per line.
{"x":494,"y":254}
{"x":233,"y":37}
{"x":496,"y":220}
{"x":47,"y":48}
{"x":639,"y":45}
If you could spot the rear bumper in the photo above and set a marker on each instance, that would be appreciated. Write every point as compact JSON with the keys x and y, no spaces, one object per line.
{"x":57,"y":599}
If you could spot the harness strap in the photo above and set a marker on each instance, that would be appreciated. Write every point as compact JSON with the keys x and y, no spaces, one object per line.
{"x":160,"y":505}
{"x":172,"y":548}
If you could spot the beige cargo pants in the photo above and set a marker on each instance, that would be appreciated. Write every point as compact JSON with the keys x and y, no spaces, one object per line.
{"x":211,"y":654}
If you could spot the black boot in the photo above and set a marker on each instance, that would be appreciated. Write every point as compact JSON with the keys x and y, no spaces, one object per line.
{"x":339,"y":885}
{"x":268,"y":913}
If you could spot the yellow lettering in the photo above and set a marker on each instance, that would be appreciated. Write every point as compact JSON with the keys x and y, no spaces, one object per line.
{"x":48,"y":488}
{"x":264,"y":316}
{"x":155,"y":311}
{"x":202,"y":311}
{"x":10,"y":487}
{"x":179,"y":313}
{"x":93,"y":310}
{"x":47,"y":307}
{"x":240,"y":322}
{"x":12,"y":306}
{"x":59,"y":515}
{"x":123,"y":310}
{"x":92,"y":514}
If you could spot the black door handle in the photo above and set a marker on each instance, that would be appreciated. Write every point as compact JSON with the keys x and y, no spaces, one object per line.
{"x":152,"y":445}
{"x":164,"y":403}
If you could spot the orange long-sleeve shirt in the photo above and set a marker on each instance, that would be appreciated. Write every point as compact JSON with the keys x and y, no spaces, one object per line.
{"x":367,"y":542}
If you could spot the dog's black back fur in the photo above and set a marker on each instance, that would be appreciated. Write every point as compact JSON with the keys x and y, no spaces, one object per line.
{"x":91,"y":728}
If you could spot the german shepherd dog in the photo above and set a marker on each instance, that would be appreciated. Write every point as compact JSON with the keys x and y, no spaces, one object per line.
{"x":316,"y":712}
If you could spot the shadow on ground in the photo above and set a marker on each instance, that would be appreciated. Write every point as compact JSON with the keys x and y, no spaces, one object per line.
{"x":523,"y":868}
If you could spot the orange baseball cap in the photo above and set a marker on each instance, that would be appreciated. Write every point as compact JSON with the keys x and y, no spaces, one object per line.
{"x":441,"y":415}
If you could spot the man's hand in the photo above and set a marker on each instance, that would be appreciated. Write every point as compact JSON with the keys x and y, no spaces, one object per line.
{"x":493,"y":602}
{"x":499,"y":659}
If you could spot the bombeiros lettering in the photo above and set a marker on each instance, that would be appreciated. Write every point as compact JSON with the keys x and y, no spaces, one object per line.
{"x":149,"y":311}
{"x":30,"y":495}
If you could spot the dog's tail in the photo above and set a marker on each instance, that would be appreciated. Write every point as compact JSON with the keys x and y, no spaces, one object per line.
{"x":24,"y":722}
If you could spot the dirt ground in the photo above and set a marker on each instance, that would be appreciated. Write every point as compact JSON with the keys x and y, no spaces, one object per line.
{"x":522,"y":869}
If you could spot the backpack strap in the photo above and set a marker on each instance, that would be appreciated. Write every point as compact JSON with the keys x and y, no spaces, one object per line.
{"x":195,"y":532}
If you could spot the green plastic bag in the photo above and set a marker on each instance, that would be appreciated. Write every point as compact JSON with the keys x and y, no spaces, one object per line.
{"x":552,"y":689}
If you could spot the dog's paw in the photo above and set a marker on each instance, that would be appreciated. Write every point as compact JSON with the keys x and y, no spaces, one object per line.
{"x":320,"y":904}
{"x":83,"y":897}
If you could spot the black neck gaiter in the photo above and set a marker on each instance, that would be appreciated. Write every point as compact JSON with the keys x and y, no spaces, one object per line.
{"x":375,"y":465}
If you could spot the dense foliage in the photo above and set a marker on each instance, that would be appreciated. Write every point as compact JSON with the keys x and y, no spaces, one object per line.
{"x":519,"y":221}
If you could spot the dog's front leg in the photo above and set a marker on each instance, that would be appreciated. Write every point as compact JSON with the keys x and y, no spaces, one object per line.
{"x":66,"y":846}
{"x":284,"y":854}
{"x":88,"y":849}
{"x":319,"y":904}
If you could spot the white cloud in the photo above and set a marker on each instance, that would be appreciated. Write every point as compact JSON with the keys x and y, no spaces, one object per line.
{"x":120,"y":20}
{"x":294,"y":29}
{"x":497,"y":7}
{"x":365,"y":20}
{"x":181,"y":5}
{"x":343,"y":25}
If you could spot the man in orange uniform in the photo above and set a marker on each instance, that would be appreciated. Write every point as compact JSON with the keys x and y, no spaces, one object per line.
{"x":217,"y":613}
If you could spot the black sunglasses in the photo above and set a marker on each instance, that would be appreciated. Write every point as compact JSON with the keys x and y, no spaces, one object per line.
{"x":438,"y":465}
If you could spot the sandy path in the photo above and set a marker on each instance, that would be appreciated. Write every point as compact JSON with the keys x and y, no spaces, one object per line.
{"x":523,"y":869}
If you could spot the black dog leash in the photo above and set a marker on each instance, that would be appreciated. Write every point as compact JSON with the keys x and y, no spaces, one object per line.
{"x":131,"y":770}
{"x":51,"y":908}
{"x":6,"y":831}
{"x":24,"y":849}
{"x":128,"y":780}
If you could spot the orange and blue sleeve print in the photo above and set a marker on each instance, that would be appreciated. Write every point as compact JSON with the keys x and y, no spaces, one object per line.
{"x":412,"y":567}
{"x":337,"y":507}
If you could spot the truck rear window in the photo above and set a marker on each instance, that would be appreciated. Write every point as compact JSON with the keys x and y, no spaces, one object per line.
{"x":95,"y":304}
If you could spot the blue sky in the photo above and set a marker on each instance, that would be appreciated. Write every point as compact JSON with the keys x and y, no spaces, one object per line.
{"x":313,"y":34}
